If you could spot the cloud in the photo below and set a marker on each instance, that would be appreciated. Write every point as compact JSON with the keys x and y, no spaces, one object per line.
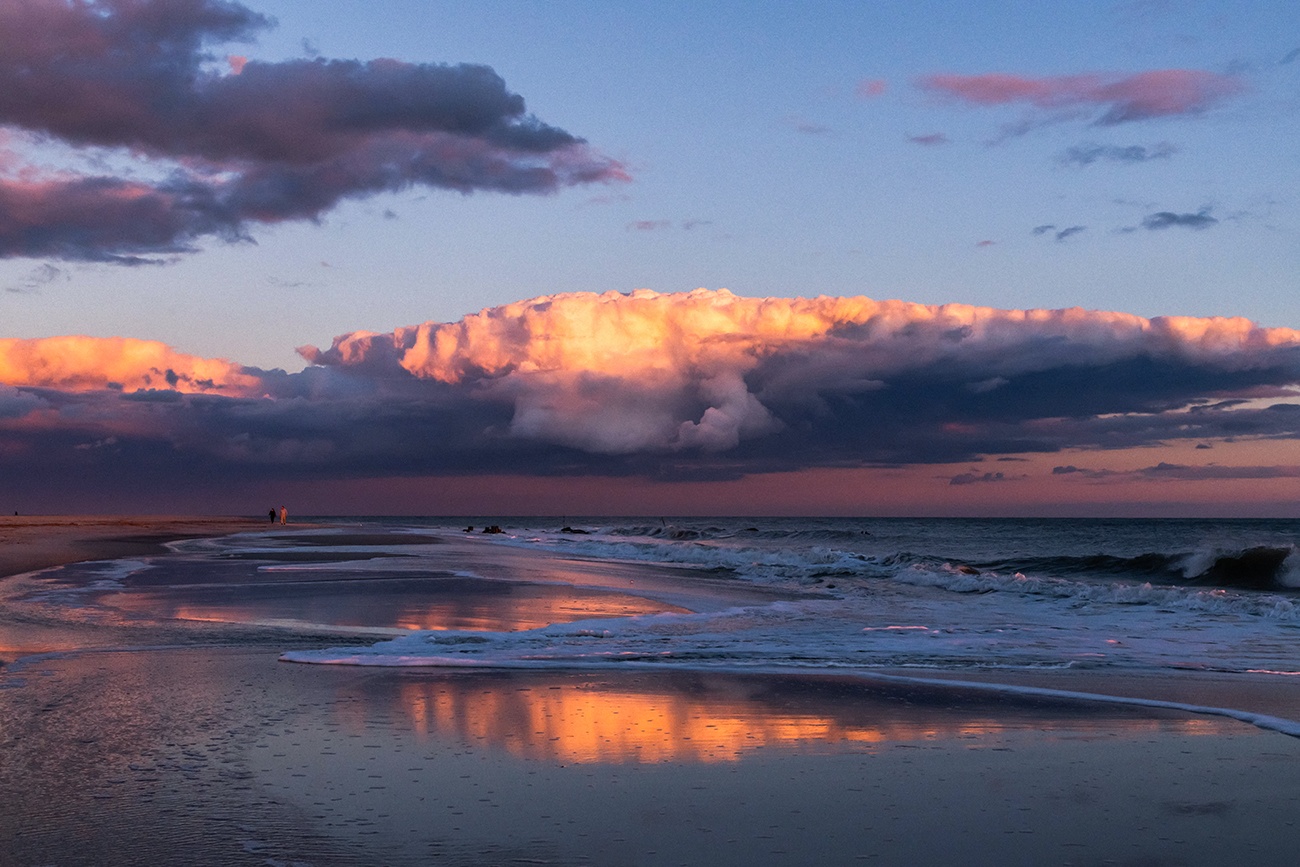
{"x":1169,"y":472}
{"x":1112,"y":98}
{"x":40,"y":276}
{"x":973,"y":478}
{"x":1167,"y":219}
{"x":930,"y":139}
{"x":1087,"y":154}
{"x":1058,"y":234}
{"x":659,"y":225}
{"x":808,"y":127}
{"x":255,"y":142}
{"x":76,"y":364}
{"x":700,"y":385}
{"x":870,"y":88}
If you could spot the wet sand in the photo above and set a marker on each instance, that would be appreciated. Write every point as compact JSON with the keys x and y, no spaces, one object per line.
{"x":38,"y":542}
{"x":221,"y":754}
{"x":224,"y":756}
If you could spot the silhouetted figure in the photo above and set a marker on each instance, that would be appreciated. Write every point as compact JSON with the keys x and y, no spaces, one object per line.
{"x":284,"y":515}
{"x":271,"y":514}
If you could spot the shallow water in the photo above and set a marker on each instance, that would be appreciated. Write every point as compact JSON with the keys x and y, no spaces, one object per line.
{"x":223,"y":756}
{"x":643,"y":696}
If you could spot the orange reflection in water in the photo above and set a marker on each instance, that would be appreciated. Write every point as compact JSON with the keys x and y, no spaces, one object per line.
{"x":513,"y":608}
{"x":717,"y":718}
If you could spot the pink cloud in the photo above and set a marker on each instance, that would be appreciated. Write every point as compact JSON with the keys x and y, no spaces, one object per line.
{"x":871,"y":88}
{"x":1144,"y":95}
{"x":273,"y":141}
{"x":648,"y":225}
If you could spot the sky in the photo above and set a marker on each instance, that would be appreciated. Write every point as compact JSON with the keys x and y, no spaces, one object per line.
{"x":421,"y":257}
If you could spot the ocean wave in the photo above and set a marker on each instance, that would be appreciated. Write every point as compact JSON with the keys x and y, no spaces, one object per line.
{"x":1255,"y":581}
{"x":1263,"y":567}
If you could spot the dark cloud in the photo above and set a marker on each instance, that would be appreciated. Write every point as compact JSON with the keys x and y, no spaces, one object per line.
{"x":1168,"y":219}
{"x":1058,"y":234}
{"x":1290,"y":56}
{"x":1169,"y":472}
{"x":1087,"y":154}
{"x":808,"y":127}
{"x":254,"y":143}
{"x":973,"y":477}
{"x":40,"y":276}
{"x":929,"y":139}
{"x":705,"y":385}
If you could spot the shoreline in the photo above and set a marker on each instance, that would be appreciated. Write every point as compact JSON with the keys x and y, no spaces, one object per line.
{"x":122,"y":751}
{"x":31,"y":543}
{"x":224,"y":754}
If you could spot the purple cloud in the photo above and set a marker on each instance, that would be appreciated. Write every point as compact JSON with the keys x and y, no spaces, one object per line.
{"x":1168,"y":219}
{"x":254,"y":143}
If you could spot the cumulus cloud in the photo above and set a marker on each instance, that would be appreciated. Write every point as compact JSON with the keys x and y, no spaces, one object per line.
{"x":699,"y":385}
{"x":253,"y":142}
{"x":1109,"y":98}
{"x":77,"y":364}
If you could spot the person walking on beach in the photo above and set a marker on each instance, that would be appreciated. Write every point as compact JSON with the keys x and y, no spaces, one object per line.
{"x":272,"y":514}
{"x":284,"y":515}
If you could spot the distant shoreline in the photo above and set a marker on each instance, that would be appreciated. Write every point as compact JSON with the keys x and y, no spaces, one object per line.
{"x":42,"y":541}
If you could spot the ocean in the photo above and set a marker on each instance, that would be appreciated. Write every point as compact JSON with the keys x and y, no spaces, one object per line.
{"x":740,"y":593}
{"x":586,"y":690}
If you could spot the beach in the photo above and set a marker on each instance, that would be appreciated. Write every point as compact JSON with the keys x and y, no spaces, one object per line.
{"x":149,"y":715}
{"x":36,"y":542}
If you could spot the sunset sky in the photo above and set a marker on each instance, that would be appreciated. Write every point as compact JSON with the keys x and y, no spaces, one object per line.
{"x":650,"y":258}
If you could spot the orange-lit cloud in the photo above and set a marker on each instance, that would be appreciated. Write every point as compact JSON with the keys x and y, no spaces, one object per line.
{"x":702,"y":387}
{"x":619,"y":374}
{"x":85,"y":363}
